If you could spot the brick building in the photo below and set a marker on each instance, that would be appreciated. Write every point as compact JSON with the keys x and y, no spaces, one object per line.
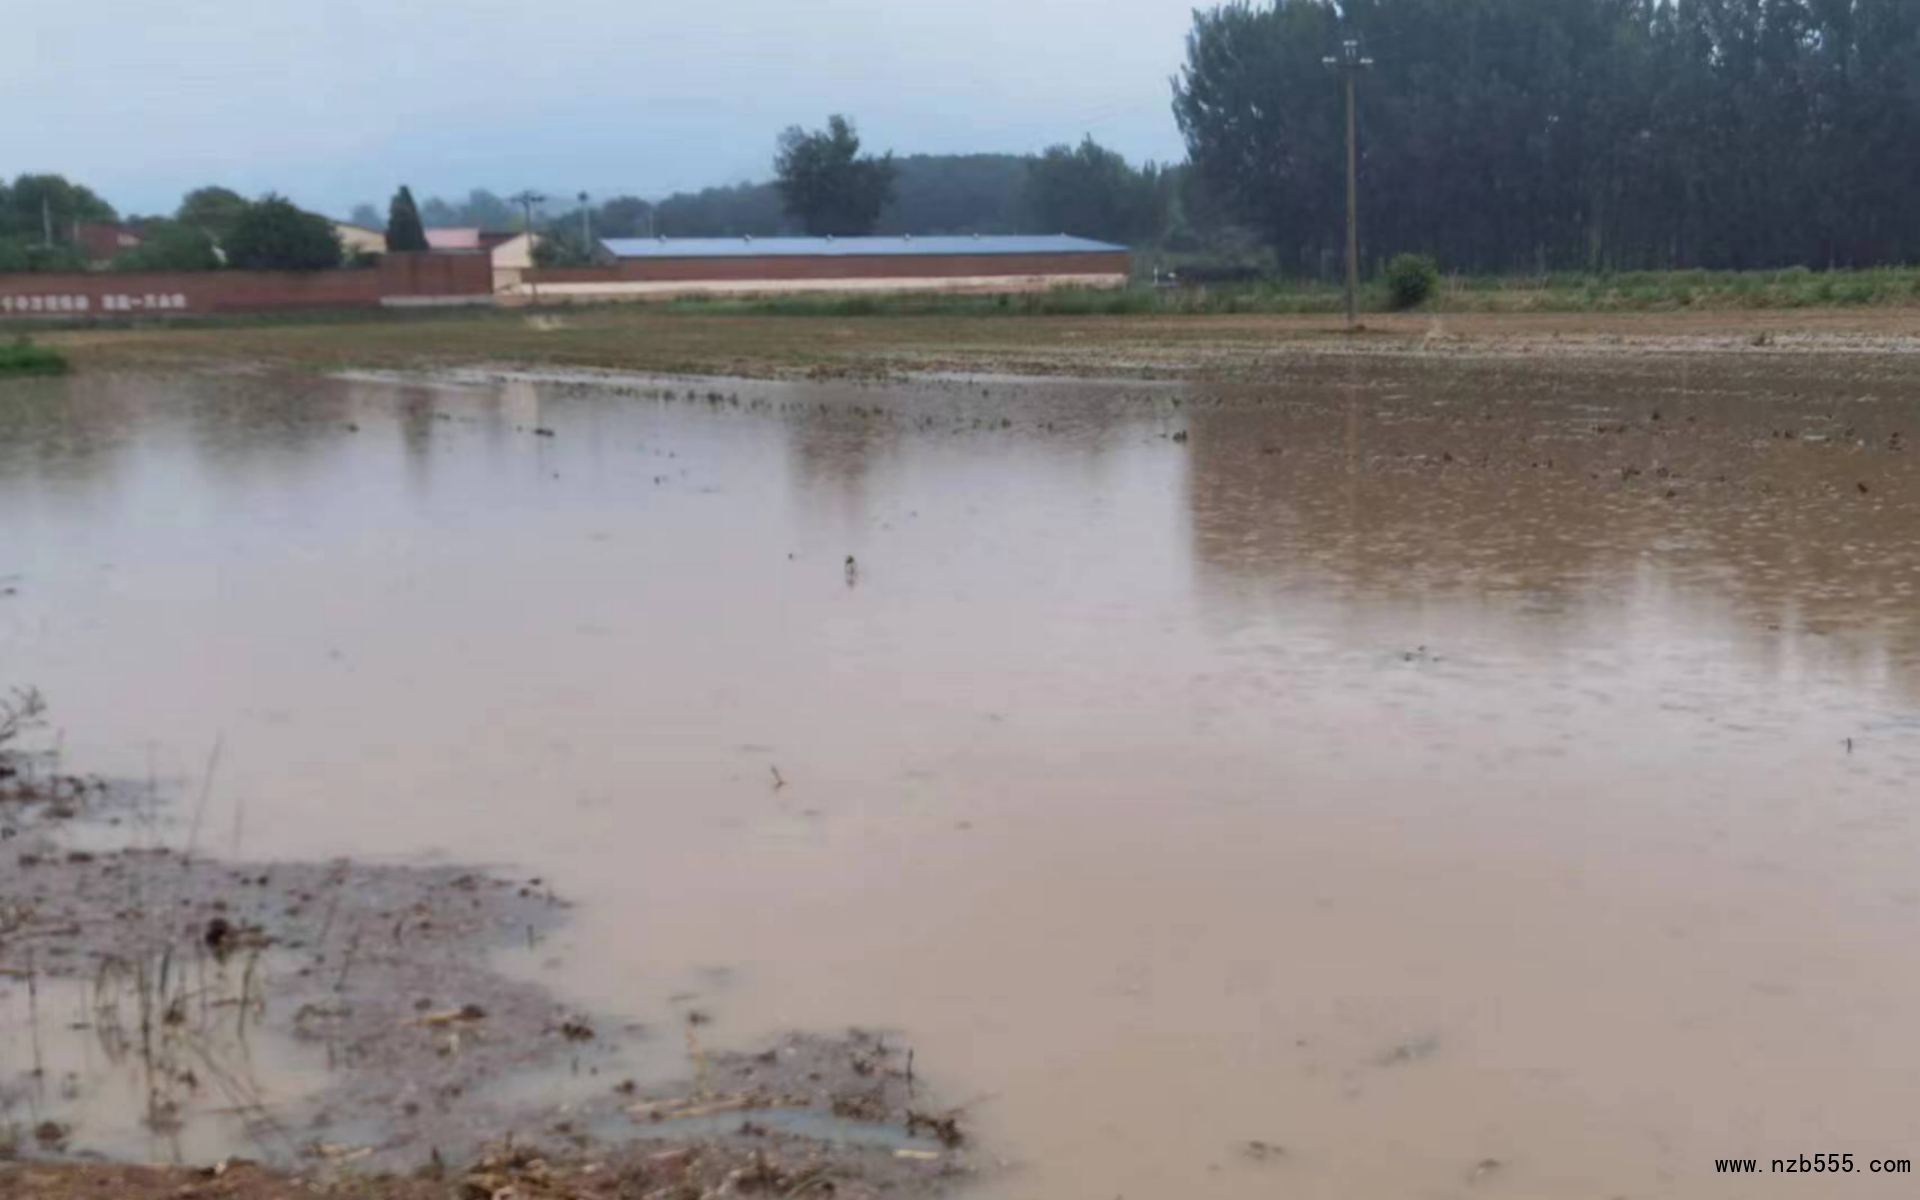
{"x":647,"y":268}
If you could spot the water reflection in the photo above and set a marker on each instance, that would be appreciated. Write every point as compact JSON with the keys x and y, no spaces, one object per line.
{"x":1591,"y":511}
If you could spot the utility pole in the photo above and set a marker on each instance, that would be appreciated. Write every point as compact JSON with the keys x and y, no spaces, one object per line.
{"x":1350,"y":63}
{"x":586,"y":226}
{"x":526,"y":200}
{"x":46,"y":221}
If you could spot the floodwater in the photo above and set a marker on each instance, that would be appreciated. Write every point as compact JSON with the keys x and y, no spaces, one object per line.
{"x":1438,"y":771}
{"x":200,"y":1086}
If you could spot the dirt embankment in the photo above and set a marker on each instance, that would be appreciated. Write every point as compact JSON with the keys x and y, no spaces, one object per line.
{"x":641,"y":339}
{"x":190,"y":984}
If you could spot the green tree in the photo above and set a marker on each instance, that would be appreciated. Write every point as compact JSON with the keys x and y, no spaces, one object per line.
{"x":828,"y":184}
{"x":273,"y":235}
{"x":480,"y":210}
{"x":170,"y":246}
{"x":212,"y":210}
{"x":933,"y":193}
{"x":624,"y":217}
{"x":1260,"y":116}
{"x":405,"y":234}
{"x":36,"y":206}
{"x":1531,"y":134}
{"x":745,"y":209}
{"x":366,"y":216}
{"x":958,"y":193}
{"x":1091,"y":191}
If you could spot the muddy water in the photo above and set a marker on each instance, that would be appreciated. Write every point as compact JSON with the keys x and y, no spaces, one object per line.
{"x":74,"y":1074}
{"x":1437,"y":772}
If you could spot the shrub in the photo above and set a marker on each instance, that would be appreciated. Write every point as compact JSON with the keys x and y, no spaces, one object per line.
{"x":562,"y":247}
{"x":1411,"y":279}
{"x":171,"y":246}
{"x":25,"y":358}
{"x":27,"y":254}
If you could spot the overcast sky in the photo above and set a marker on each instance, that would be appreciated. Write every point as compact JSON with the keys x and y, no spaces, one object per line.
{"x":337,"y":101}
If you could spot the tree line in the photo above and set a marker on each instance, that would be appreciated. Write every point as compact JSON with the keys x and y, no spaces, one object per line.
{"x":1504,"y":135}
{"x":41,"y":220}
{"x":1087,"y":190}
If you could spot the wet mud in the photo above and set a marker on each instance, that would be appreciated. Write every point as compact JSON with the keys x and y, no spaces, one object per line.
{"x":339,"y":1024}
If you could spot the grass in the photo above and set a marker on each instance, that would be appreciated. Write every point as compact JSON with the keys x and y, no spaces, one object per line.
{"x":1291,"y":298}
{"x":22,"y":357}
{"x":1660,"y":291}
{"x":1566,"y":292}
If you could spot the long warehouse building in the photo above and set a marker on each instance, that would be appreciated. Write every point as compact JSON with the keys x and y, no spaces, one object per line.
{"x":648,"y":268}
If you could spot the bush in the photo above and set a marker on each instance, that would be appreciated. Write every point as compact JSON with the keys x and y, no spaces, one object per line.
{"x":1411,"y":279}
{"x":562,"y":247}
{"x":27,"y":254}
{"x":170,"y":246}
{"x":25,"y":358}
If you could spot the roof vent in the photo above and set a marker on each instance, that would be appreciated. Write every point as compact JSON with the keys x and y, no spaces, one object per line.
{"x":747,"y":237}
{"x":976,"y":237}
{"x":663,"y":239}
{"x":829,"y":237}
{"x":908,"y":237}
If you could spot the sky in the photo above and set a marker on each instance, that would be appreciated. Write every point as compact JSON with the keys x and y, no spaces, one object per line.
{"x":335,"y":102}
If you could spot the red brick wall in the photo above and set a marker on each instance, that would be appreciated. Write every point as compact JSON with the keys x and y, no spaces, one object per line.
{"x":111,"y":294}
{"x":436,"y":274}
{"x":878,"y":266}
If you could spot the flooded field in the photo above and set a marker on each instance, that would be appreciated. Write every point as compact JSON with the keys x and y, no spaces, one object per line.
{"x":1398,"y":778}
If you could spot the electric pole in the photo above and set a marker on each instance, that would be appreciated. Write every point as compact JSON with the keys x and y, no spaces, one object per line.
{"x":526,"y":200}
{"x":1350,"y":63}
{"x":586,"y":226}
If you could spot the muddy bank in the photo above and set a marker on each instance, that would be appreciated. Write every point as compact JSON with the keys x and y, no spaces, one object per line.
{"x":521,"y":1172}
{"x":346,"y":1023}
{"x":1245,"y":348}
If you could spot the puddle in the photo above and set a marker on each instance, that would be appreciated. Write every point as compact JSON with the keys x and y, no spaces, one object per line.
{"x":819,"y":1127}
{"x":132,"y":1066}
{"x":1419,"y":765}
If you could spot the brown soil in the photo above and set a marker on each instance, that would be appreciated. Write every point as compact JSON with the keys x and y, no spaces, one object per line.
{"x":524,"y":1173}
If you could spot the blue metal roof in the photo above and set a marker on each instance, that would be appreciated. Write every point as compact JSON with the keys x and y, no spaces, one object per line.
{"x":851,"y":247}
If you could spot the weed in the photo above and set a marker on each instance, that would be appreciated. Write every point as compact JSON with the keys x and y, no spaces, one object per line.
{"x":22,"y":357}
